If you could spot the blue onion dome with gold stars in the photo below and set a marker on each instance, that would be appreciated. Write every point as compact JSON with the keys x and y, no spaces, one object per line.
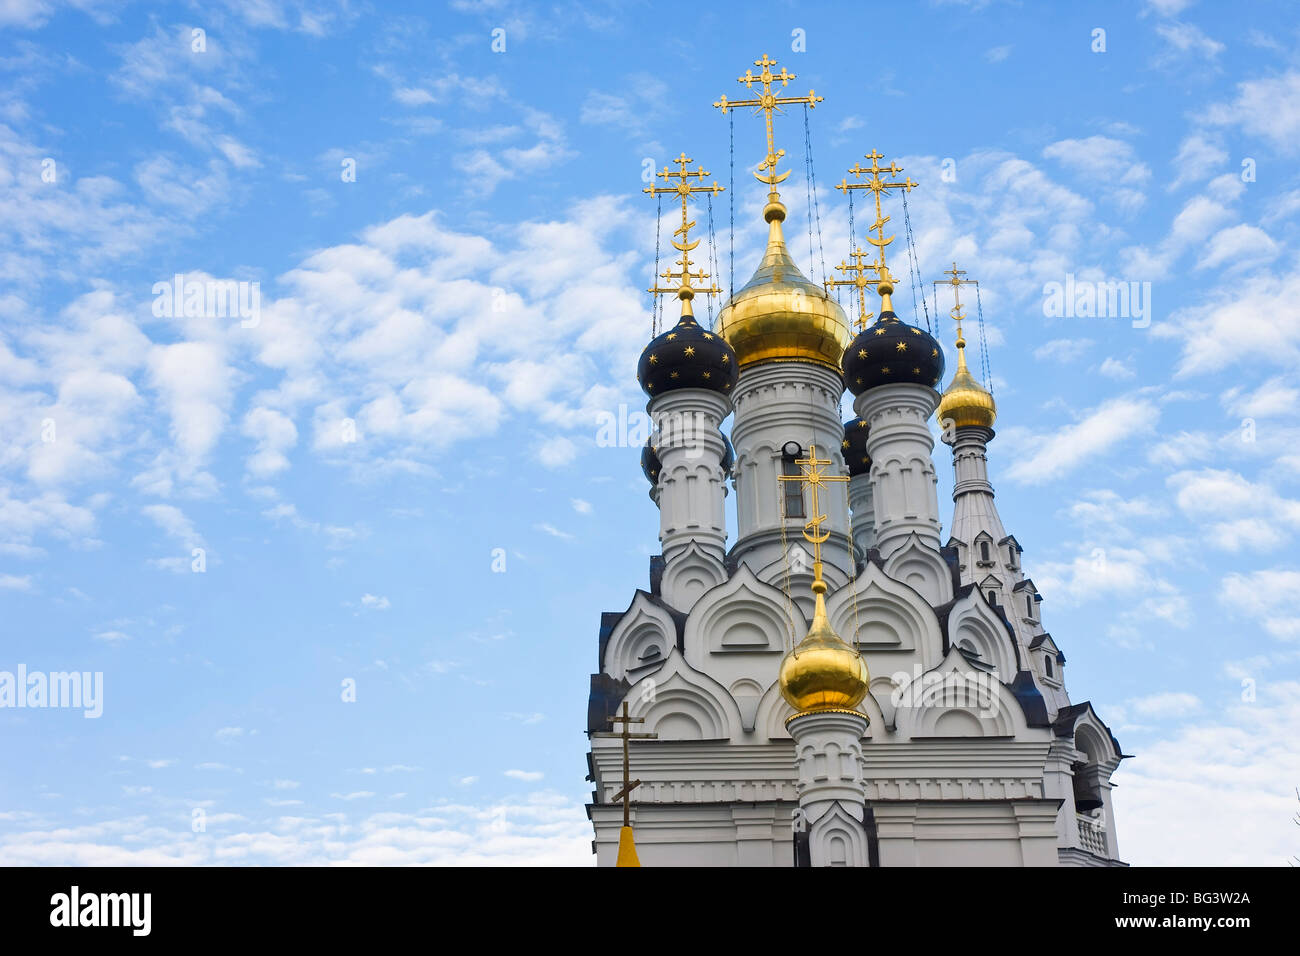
{"x":891,"y":351}
{"x":687,"y":356}
{"x":854,"y":447}
{"x":650,"y":464}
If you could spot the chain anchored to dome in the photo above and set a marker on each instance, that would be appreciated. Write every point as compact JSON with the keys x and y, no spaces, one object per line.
{"x":683,"y":189}
{"x":878,"y":185}
{"x":769,"y":103}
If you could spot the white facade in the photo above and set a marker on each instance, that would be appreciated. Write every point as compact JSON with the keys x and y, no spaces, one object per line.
{"x":967,"y":749}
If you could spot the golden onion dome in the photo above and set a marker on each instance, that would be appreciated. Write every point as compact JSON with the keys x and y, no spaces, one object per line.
{"x":779,"y":315}
{"x":966,"y":402}
{"x":822,"y":672}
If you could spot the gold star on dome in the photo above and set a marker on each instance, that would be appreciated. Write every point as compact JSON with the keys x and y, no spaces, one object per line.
{"x":673,"y":375}
{"x":885,"y":370}
{"x":650,"y":386}
{"x":845,"y":443}
{"x":934,"y":353}
{"x":862,"y":424}
{"x":880,"y":331}
{"x":916,"y":331}
{"x":689,"y":351}
{"x":726,"y":359}
{"x":862,"y":353}
{"x":916,"y":371}
{"x":671,"y":336}
{"x":901,"y":347}
{"x":708,"y":335}
{"x":708,"y":374}
{"x":654,"y":359}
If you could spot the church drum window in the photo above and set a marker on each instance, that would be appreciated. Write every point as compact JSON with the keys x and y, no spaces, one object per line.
{"x":793,"y":490}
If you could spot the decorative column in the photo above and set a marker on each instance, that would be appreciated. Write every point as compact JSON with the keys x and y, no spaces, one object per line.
{"x":832,"y":798}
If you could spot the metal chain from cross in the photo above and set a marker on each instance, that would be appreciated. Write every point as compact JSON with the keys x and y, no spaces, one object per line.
{"x":814,"y":476}
{"x":626,"y":734}
{"x":877,"y":185}
{"x":858,"y":281}
{"x":769,"y":103}
{"x":683,"y":190}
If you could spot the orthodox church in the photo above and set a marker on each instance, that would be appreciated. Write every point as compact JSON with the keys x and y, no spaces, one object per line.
{"x":843,"y":685}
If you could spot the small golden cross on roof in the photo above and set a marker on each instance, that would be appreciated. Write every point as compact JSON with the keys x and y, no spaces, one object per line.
{"x":626,"y":734}
{"x":957,"y":282}
{"x":814,"y":476}
{"x":769,"y":103}
{"x":877,"y":185}
{"x":683,"y":189}
{"x":859,"y":281}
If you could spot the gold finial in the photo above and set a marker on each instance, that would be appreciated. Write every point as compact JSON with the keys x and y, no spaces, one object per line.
{"x":821,"y":672}
{"x":877,"y":185}
{"x":683,"y":189}
{"x":769,"y":103}
{"x":965,"y":402}
{"x":859,"y":280}
{"x":626,"y":847}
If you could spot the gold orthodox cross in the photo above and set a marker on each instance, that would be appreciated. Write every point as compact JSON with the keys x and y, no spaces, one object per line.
{"x":877,"y":185}
{"x":769,"y":103}
{"x":626,"y":734}
{"x":859,"y":280}
{"x":684,"y":190}
{"x":957,"y":282}
{"x":814,"y":476}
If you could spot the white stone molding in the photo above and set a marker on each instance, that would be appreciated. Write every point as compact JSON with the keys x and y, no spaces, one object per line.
{"x":972,"y":622}
{"x":679,"y":702}
{"x":692,"y":572}
{"x":921,"y":568}
{"x":641,"y":641}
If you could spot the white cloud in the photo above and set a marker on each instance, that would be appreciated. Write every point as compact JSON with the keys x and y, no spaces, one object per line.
{"x":15,"y":582}
{"x":274,"y":433}
{"x":1237,"y":767}
{"x":524,"y":774}
{"x":1244,"y":322}
{"x":1199,"y":155}
{"x":112,"y":637}
{"x":1107,"y":161}
{"x":1050,"y":455}
{"x":1189,"y":40}
{"x":1272,"y":397}
{"x":1239,"y":247}
{"x":998,"y":53}
{"x":553,"y":531}
{"x":581,"y":506}
{"x":1266,"y":108}
{"x":1270,"y":597}
{"x":1164,"y":705}
{"x":1233,"y":512}
{"x":541,"y":829}
{"x":1116,"y":369}
{"x":375,"y":602}
{"x":1062,"y":350}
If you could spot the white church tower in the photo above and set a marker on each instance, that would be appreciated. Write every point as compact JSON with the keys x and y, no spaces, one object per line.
{"x":842,"y":686}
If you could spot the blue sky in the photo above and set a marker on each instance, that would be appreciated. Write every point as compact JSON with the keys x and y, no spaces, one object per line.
{"x":472,"y":303}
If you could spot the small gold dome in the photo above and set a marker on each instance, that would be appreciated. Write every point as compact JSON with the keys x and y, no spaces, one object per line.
{"x":823,"y":672}
{"x":780,"y":316}
{"x":966,"y":402}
